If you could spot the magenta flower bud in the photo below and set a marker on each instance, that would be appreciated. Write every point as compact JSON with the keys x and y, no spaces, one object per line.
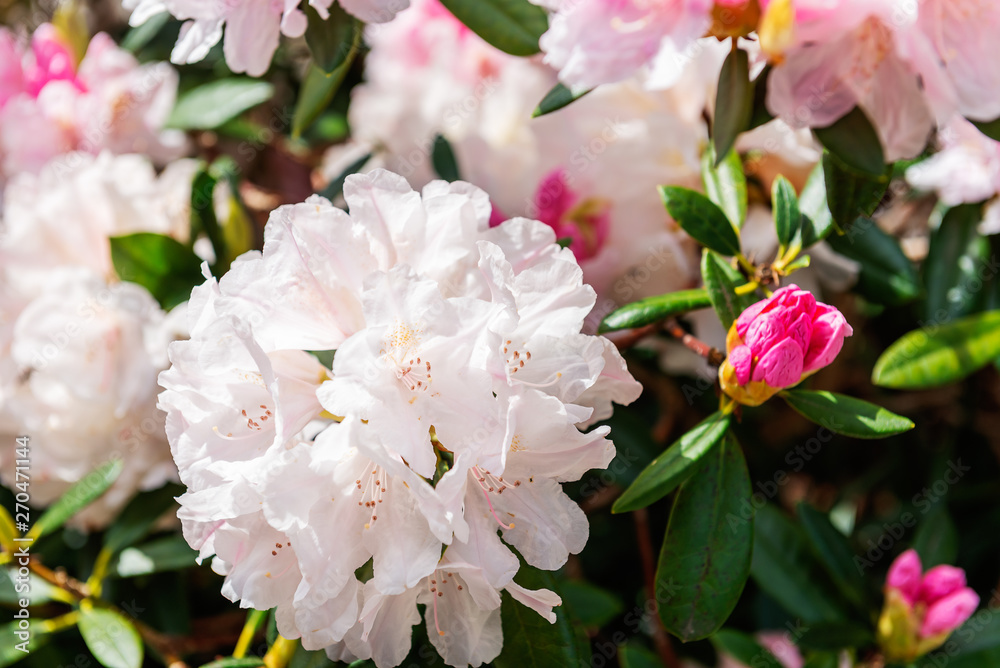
{"x":777,"y":342}
{"x":54,"y":60}
{"x":941,"y":581}
{"x":948,"y":613}
{"x":904,"y":575}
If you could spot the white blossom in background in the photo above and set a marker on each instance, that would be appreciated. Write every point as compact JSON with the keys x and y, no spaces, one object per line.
{"x":253,"y":28}
{"x":80,"y":350}
{"x":50,"y":105}
{"x":452,"y":411}
{"x":590,"y":170}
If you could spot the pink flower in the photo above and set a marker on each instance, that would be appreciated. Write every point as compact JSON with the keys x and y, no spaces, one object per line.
{"x":584,"y":221}
{"x":922,"y":609}
{"x":777,"y":342}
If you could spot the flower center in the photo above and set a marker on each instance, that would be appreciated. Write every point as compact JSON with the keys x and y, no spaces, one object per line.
{"x":490,"y":484}
{"x":401,"y":354}
{"x":372,"y":488}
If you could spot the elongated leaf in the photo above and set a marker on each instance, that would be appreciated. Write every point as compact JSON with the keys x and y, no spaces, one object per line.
{"x":161,"y":264}
{"x":589,"y":604}
{"x":733,"y":103}
{"x":721,"y":281}
{"x":887,"y":276}
{"x":530,"y":641}
{"x":846,"y":415}
{"x":700,"y":218}
{"x":141,"y":35}
{"x":849,"y":194}
{"x":705,"y":560}
{"x":443,"y":159}
{"x":957,"y":260}
{"x":825,"y":660}
{"x":674,"y":466}
{"x":744,"y":648}
{"x":760,"y":114}
{"x":785,"y":568}
{"x":331,"y":41}
{"x":140,"y":515}
{"x":317,"y":92}
{"x":936,"y":356}
{"x":936,"y":539}
{"x":110,"y":637}
{"x":785,"y":204}
{"x":163,"y":554}
{"x":557,"y":98}
{"x":832,"y":636}
{"x":40,"y":590}
{"x":817,"y":221}
{"x":835,"y":555}
{"x":855,"y":142}
{"x":513,"y":26}
{"x":304,"y":658}
{"x":633,"y":655}
{"x":653,"y":309}
{"x":78,"y":497}
{"x":726,"y":185}
{"x":210,"y":105}
{"x":11,"y":644}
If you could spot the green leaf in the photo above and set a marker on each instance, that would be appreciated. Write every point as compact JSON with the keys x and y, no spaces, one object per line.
{"x":9,"y":641}
{"x":833,"y":636}
{"x":557,"y":98}
{"x":110,"y":637}
{"x":139,"y":516}
{"x":141,"y":35}
{"x":675,"y":465}
{"x":785,"y":568}
{"x":530,"y":641}
{"x":938,"y":355}
{"x":936,"y":539}
{"x":203,"y":218}
{"x":726,"y":185}
{"x":855,"y":142}
{"x":721,"y":281}
{"x":331,"y":41}
{"x":817,"y":221}
{"x":952,"y":271}
{"x":989,"y":128}
{"x":653,"y":309}
{"x":210,"y":105}
{"x":846,"y":415}
{"x":161,"y":264}
{"x":163,"y":554}
{"x":40,"y":590}
{"x":886,"y":275}
{"x":825,"y":660}
{"x":318,"y":89}
{"x":336,"y":187}
{"x":785,"y":204}
{"x":700,"y":218}
{"x":848,"y":194}
{"x":733,"y":102}
{"x":705,"y":559}
{"x":835,"y":555}
{"x":744,"y":649}
{"x":248,"y":662}
{"x":78,"y":497}
{"x":590,"y":605}
{"x":513,"y":26}
{"x":632,"y":655}
{"x":443,"y":159}
{"x":760,"y":114}
{"x":8,"y":532}
{"x":304,"y":658}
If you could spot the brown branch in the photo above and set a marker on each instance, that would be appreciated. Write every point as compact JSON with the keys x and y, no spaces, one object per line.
{"x":714,"y":356}
{"x":60,"y":579}
{"x":627,"y":338}
{"x":660,"y":637}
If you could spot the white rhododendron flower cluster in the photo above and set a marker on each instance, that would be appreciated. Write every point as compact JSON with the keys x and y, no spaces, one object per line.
{"x":450,"y":415}
{"x":80,"y":349}
{"x":253,"y":27}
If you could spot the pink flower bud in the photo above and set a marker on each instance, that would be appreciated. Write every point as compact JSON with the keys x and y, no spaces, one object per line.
{"x":788,"y":336}
{"x":950,"y":612}
{"x":904,"y":575}
{"x":941,"y":581}
{"x":54,"y":60}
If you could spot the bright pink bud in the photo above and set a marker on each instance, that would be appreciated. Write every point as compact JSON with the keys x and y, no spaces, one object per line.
{"x":941,"y":581}
{"x":950,"y":612}
{"x":54,"y":60}
{"x":904,"y":575}
{"x":741,"y":358}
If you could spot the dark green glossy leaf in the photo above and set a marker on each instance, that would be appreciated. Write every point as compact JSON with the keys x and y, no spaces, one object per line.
{"x":760,"y":114}
{"x":140,"y":515}
{"x":855,"y":142}
{"x":936,"y":356}
{"x":210,"y":105}
{"x":40,"y":591}
{"x":163,"y":554}
{"x":849,"y":194}
{"x":443,"y":159}
{"x":887,"y":276}
{"x":632,"y":655}
{"x":331,"y":41}
{"x":817,"y":221}
{"x":557,"y":98}
{"x":705,"y":560}
{"x":78,"y":497}
{"x":590,"y":605}
{"x":833,"y":636}
{"x":700,"y":218}
{"x":835,"y":555}
{"x":989,"y":128}
{"x":785,"y":205}
{"x":824,"y":660}
{"x":161,"y":264}
{"x":304,"y":658}
{"x":846,"y":415}
{"x":721,"y":281}
{"x":111,"y":637}
{"x":936,"y":539}
{"x":317,"y":92}
{"x":733,"y":102}
{"x":513,"y":26}
{"x":783,"y":566}
{"x":957,"y":260}
{"x":744,"y":648}
{"x":675,"y":465}
{"x":653,"y":309}
{"x":726,"y":185}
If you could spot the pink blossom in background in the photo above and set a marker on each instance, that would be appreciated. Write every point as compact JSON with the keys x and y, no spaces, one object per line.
{"x":583,"y":221}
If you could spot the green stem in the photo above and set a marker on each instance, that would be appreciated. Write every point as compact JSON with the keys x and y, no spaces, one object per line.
{"x":280,"y":653}
{"x":254,"y":621}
